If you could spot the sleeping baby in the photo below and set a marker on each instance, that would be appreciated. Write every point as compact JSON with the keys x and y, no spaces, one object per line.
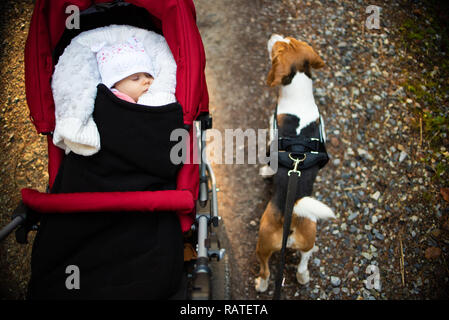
{"x":126,"y":69}
{"x":135,"y":64}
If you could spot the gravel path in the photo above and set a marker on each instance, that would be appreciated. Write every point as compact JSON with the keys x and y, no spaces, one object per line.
{"x":390,"y":213}
{"x":23,"y":152}
{"x":374,"y":180}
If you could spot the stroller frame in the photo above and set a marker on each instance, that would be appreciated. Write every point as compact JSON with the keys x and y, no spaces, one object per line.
{"x":206,"y":208}
{"x":207,"y":220}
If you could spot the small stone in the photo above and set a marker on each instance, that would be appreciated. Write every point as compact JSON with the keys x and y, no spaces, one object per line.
{"x":366,"y":294}
{"x":353,"y":216}
{"x":379,"y":236}
{"x":367,"y":255}
{"x":402,"y":156}
{"x":365,"y":154}
{"x":376,"y":195}
{"x":353,"y":229}
{"x":335,"y":281}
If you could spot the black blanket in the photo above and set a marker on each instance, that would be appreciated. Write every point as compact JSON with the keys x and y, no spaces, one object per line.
{"x":125,"y":255}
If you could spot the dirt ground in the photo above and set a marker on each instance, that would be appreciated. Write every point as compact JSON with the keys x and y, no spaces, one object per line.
{"x":376,"y":193}
{"x":390,"y":213}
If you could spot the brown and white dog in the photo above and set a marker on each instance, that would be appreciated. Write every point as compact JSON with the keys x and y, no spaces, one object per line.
{"x":297,"y":115}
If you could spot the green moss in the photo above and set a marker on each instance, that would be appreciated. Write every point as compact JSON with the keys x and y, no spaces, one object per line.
{"x":441,"y":168}
{"x":427,"y":196}
{"x":430,"y":87}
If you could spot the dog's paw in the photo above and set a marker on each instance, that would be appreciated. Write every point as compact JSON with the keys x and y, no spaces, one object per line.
{"x":266,"y":172}
{"x":303,"y":278}
{"x":261,"y":284}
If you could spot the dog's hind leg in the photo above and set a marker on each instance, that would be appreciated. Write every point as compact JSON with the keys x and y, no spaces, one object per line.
{"x":263,"y":256}
{"x":302,"y":273}
{"x":270,"y":240}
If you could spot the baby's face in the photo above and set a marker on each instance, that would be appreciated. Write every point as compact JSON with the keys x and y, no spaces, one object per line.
{"x":135,"y":85}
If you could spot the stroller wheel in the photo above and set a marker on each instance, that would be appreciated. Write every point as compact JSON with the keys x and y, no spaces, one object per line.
{"x":220,"y":280}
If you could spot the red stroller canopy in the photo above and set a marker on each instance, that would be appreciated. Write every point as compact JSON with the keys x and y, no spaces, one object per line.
{"x":178,"y":23}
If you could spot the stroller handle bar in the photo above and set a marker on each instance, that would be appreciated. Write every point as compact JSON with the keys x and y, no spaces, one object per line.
{"x":143,"y":201}
{"x":6,"y":230}
{"x":140,"y":201}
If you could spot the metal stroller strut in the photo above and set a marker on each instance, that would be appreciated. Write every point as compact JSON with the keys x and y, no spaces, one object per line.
{"x":206,"y":215}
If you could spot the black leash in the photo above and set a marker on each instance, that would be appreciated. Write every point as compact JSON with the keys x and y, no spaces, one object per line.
{"x":293,"y":179}
{"x":292,"y":152}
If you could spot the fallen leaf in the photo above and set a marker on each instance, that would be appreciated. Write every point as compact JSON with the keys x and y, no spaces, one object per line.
{"x":436,"y":233}
{"x":445,"y":193}
{"x":432,"y":252}
{"x":334,"y":142}
{"x":445,"y":223}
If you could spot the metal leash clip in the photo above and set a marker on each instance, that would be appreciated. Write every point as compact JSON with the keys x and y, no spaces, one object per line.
{"x":296,"y":163}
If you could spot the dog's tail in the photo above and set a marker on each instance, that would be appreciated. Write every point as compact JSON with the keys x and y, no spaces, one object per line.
{"x":312,"y":209}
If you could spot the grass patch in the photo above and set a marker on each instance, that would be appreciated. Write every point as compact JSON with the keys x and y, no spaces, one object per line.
{"x":425,"y":37}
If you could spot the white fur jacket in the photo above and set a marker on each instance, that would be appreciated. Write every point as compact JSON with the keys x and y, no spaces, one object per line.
{"x":76,"y":76}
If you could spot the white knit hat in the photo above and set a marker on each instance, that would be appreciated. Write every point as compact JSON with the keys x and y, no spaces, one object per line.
{"x":118,"y":61}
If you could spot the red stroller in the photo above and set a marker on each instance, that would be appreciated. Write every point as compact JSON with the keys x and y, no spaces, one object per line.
{"x":193,"y":200}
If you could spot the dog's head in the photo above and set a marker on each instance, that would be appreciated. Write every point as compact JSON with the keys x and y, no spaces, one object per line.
{"x":289,"y":56}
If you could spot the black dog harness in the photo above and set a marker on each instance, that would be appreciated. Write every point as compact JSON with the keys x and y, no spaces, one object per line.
{"x":299,"y":153}
{"x":313,"y":148}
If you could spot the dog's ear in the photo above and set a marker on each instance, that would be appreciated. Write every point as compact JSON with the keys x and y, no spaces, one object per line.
{"x":279,"y":68}
{"x":315,"y":60}
{"x":306,"y":54}
{"x":288,"y":57}
{"x":274,"y":78}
